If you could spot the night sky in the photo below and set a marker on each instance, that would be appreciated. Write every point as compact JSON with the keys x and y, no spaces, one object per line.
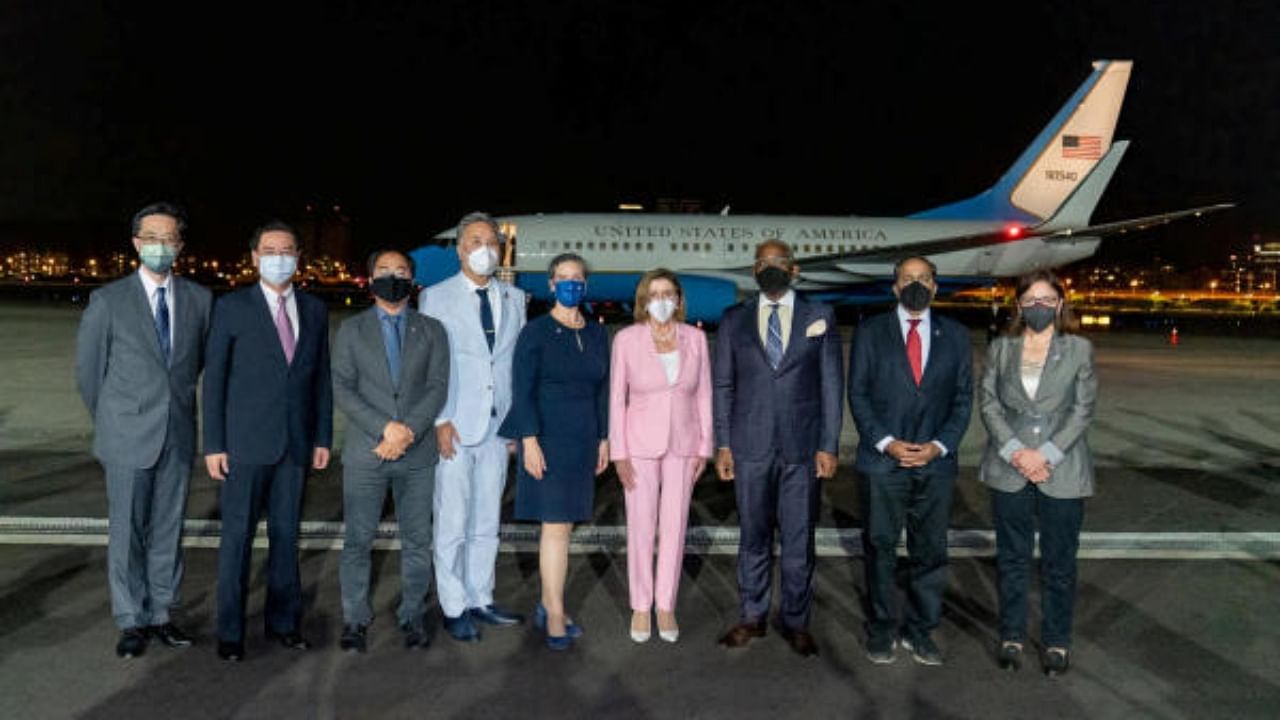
{"x":409,"y":115}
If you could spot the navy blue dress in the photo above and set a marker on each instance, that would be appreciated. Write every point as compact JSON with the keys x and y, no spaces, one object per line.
{"x":560,"y":394}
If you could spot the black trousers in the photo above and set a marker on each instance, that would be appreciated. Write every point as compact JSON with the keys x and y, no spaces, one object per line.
{"x":247,"y":491}
{"x":918,"y":499}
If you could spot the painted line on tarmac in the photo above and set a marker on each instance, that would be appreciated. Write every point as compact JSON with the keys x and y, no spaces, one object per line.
{"x":702,"y":540}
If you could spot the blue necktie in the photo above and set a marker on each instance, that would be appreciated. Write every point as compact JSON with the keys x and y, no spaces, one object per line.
{"x":391,"y":339}
{"x":162,"y":325}
{"x":773,"y":347}
{"x":486,"y":316}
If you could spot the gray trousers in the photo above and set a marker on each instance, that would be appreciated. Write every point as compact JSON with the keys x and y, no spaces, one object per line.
{"x":364,"y":489}
{"x":145,"y":507}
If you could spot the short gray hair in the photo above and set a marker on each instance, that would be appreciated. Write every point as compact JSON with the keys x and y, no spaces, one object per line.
{"x":477,"y":217}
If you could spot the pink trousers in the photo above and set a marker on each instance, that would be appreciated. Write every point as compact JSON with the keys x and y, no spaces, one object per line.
{"x":658,"y":506}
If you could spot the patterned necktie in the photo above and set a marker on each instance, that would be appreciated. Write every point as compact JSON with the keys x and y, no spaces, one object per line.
{"x":284,"y":328}
{"x":773,"y":346}
{"x":391,"y":340}
{"x":914,"y":354}
{"x":486,"y":316}
{"x":162,"y":325}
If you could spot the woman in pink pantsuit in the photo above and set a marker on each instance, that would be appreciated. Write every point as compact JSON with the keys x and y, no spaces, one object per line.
{"x":659,"y":438}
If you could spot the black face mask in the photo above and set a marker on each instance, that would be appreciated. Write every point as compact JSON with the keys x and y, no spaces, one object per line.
{"x":915,"y":296}
{"x":391,"y":288}
{"x":773,"y":280}
{"x":1039,"y":317}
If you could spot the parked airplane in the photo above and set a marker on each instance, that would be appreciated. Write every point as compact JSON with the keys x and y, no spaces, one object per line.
{"x":1037,"y":214}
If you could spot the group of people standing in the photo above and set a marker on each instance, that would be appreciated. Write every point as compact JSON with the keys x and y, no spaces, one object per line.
{"x":436,"y":400}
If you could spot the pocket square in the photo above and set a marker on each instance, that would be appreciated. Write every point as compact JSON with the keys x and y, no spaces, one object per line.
{"x":816,"y":328}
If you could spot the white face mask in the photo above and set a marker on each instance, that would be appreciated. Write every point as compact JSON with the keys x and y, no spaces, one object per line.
{"x":662,"y":310}
{"x":483,"y":261}
{"x":277,"y":269}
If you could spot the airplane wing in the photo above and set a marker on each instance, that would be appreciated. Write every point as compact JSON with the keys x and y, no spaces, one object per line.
{"x":871,"y":260}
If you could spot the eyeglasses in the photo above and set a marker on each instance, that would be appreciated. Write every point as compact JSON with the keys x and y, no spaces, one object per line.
{"x":1039,"y":300}
{"x":170,"y":240}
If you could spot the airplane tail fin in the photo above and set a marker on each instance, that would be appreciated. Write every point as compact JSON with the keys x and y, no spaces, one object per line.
{"x":1060,"y":158}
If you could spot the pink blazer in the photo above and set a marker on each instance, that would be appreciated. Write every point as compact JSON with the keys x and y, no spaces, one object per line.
{"x":649,"y":418}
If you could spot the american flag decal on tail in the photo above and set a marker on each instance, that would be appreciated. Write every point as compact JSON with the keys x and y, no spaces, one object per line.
{"x":1082,"y":147}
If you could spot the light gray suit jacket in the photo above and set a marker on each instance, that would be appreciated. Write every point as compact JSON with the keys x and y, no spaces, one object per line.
{"x":1054,"y":422}
{"x":479,"y":380}
{"x":135,"y":399}
{"x":363,"y":390}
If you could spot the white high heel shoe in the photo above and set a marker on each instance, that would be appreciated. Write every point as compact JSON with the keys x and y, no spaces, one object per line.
{"x":641,"y":636}
{"x":668,"y":635}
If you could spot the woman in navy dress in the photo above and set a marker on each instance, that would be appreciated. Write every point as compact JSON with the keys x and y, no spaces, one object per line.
{"x":559,"y":413}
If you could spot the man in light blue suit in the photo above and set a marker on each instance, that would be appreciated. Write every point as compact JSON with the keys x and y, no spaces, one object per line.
{"x":483,"y":317}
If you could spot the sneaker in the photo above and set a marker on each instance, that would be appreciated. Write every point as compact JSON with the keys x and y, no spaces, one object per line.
{"x":923,"y":650}
{"x":880,"y":650}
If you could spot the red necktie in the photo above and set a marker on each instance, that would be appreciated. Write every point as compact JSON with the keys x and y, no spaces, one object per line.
{"x":913,"y":351}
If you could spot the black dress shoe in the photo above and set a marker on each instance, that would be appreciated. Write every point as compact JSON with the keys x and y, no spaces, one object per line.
{"x":292,"y":639}
{"x":171,"y":635}
{"x":414,"y":635}
{"x":494,"y":615}
{"x":1009,"y":656}
{"x":461,"y":628}
{"x":230,"y":651}
{"x":742,"y":633}
{"x":132,"y":643}
{"x":1055,"y":661}
{"x":354,"y":638}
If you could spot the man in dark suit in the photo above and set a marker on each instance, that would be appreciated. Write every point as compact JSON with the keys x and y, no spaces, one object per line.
{"x":138,"y":354}
{"x":391,"y":378}
{"x":268,"y":416}
{"x":910,"y":390}
{"x":777,"y":387}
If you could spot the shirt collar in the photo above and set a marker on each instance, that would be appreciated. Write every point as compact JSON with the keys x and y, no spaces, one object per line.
{"x":474,"y":287}
{"x":150,"y":285}
{"x":271,"y":294}
{"x":904,"y":316}
{"x":788,"y":300}
{"x":383,"y":314}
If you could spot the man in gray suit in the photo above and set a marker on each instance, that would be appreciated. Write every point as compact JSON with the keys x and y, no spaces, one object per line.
{"x":390,"y":377}
{"x":139,"y":351}
{"x":483,"y":317}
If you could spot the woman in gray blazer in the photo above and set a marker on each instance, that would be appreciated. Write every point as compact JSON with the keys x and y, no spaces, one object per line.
{"x":1037,"y":396}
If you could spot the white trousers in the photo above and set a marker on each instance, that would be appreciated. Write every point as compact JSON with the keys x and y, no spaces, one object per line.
{"x":468,"y":504}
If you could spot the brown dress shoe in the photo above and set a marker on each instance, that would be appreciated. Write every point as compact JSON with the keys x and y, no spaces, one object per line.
{"x":742,"y":633}
{"x":800,"y":641}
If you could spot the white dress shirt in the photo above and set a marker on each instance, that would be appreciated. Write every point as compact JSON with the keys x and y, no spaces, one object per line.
{"x":150,"y":285}
{"x":290,"y":305}
{"x":924,"y":330}
{"x":495,"y":300}
{"x":786,"y":308}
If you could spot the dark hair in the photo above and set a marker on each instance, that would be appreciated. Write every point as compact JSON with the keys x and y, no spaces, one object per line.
{"x":376,"y":255}
{"x":274,"y":225}
{"x":641,"y":309}
{"x":897,"y":267}
{"x":160,"y":208}
{"x":562,"y":258}
{"x":1065,"y":321}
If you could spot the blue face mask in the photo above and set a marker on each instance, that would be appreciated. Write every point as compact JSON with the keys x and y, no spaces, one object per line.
{"x":569,"y":292}
{"x":158,"y":257}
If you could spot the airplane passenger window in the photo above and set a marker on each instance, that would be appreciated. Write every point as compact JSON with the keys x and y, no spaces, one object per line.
{"x":685,"y":247}
{"x":730,"y":247}
{"x":579,"y":245}
{"x":625,"y":246}
{"x":650,"y":246}
{"x":615,"y":244}
{"x":673,"y":247}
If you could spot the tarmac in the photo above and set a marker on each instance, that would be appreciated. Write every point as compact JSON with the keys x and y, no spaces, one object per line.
{"x":1176,"y":614}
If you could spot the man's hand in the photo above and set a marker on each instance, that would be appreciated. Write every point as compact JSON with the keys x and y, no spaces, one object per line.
{"x":217,"y":465}
{"x":826,"y":464}
{"x":397,"y":433}
{"x":724,"y":464}
{"x":602,"y":456}
{"x":387,"y":451}
{"x":911,"y":455}
{"x":446,"y":436}
{"x":319,"y":458}
{"x":626,"y":473}
{"x":534,"y":463}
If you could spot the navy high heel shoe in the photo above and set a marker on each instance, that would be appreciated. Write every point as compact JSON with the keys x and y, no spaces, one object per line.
{"x":571,"y":630}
